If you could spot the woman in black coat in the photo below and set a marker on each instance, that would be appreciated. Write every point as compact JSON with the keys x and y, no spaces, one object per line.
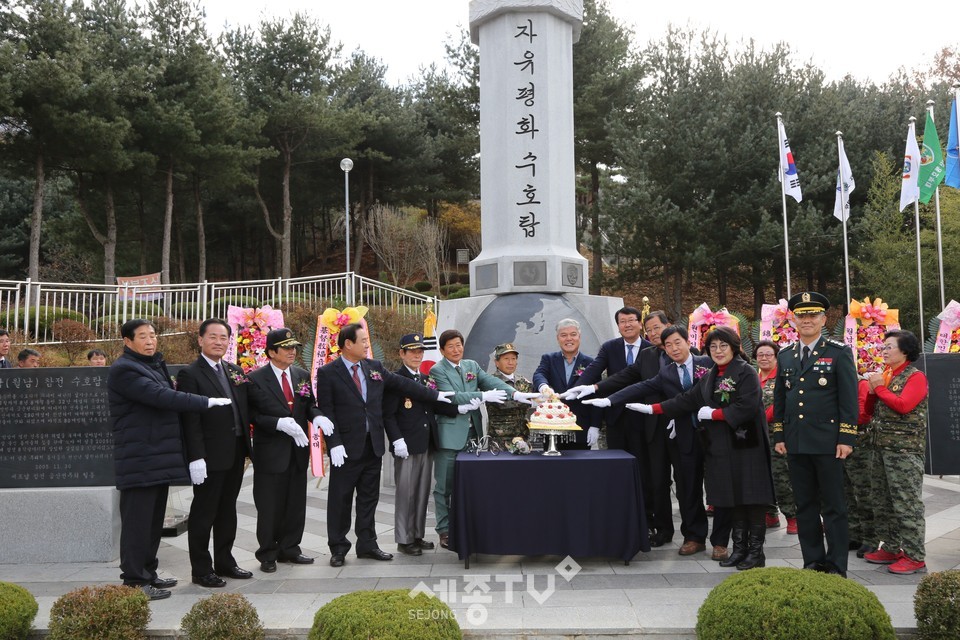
{"x":148,"y":451}
{"x":733,"y":429}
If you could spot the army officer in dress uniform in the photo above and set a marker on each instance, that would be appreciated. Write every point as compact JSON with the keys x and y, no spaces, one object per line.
{"x":416,"y":421}
{"x":509,"y":420}
{"x":815,"y":425}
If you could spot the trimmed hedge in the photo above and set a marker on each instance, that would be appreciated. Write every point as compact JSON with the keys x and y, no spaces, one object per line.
{"x":18,"y":608}
{"x":936,"y":605}
{"x":422,"y":286}
{"x":106,"y":612}
{"x":777,"y":603}
{"x":463,"y":292}
{"x":293,"y":298}
{"x":362,"y":615}
{"x":135,"y":308}
{"x":47,"y":315}
{"x":237,"y":301}
{"x":184,"y":310}
{"x":223,"y":616}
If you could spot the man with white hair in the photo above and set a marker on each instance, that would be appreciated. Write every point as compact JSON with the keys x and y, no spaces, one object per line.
{"x":561,"y":370}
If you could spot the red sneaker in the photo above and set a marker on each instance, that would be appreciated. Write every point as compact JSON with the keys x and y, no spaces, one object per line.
{"x":882,"y":556}
{"x":791,"y":526}
{"x":906,"y":566}
{"x":773,"y":521}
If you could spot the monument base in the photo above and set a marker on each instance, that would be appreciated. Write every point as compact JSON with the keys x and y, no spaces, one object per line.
{"x":528,"y":320}
{"x":59,"y":524}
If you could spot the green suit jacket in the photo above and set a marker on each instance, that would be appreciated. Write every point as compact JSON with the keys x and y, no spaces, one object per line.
{"x":452,"y":431}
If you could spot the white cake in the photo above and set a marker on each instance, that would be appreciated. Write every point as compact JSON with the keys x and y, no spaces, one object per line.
{"x":553,"y":414}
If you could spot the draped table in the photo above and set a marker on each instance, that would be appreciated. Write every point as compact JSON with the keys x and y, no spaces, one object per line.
{"x":581,"y":504}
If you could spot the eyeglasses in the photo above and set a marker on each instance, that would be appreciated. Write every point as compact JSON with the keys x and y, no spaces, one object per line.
{"x":765,"y":355}
{"x":888,"y":347}
{"x":719,"y":346}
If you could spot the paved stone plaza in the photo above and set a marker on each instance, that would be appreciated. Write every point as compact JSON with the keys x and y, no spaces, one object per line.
{"x":657,"y":595}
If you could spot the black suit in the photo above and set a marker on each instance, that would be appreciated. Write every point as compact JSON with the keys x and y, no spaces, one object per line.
{"x":279,"y":466}
{"x":219,"y":436}
{"x":5,"y":364}
{"x":685,"y":452}
{"x":358,"y":426}
{"x":416,"y":422}
{"x":552,"y":372}
{"x":646,"y":438}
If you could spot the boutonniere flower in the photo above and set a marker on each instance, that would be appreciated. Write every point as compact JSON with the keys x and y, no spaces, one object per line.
{"x":431,"y":384}
{"x":375,"y":375}
{"x":699,"y":372}
{"x":725,"y":388}
{"x":579,"y":370}
{"x":303,"y":389}
{"x":236,"y":378}
{"x":471,"y":377}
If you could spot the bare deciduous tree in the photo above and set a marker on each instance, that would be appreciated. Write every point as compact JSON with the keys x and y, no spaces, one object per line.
{"x":395,"y":237}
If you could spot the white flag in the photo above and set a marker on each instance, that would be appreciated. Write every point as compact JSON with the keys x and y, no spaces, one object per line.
{"x":788,"y":170}
{"x":845,"y":186}
{"x":910,"y":189}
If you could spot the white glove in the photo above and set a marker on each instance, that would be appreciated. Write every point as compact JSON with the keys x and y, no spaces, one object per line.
{"x":578,"y":392}
{"x":639,"y":406}
{"x":400,"y":448}
{"x":593,"y":434}
{"x":444,"y":396}
{"x":290,"y":427}
{"x":705,"y":413}
{"x":672,"y":428}
{"x":218,"y":402}
{"x":546,"y":390}
{"x":598,"y":402}
{"x":323,"y":423}
{"x":337,"y":455}
{"x":526,"y":398}
{"x":198,"y":471}
{"x":473,"y":405}
{"x":497,"y":396}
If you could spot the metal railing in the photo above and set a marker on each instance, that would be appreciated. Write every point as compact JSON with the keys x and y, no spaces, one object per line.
{"x":33,"y":307}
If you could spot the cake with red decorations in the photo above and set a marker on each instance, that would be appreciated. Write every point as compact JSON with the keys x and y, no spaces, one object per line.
{"x":553,"y":415}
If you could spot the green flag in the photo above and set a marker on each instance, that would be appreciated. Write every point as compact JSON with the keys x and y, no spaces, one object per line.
{"x":932,"y":170}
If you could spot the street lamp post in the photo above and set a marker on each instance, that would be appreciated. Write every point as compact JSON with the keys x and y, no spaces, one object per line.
{"x":346,"y":165}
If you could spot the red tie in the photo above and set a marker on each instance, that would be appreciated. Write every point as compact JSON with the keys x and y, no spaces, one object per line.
{"x":356,"y":379}
{"x":287,"y":391}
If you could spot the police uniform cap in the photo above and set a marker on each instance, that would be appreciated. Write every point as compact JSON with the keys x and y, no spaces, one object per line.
{"x":412,"y":341}
{"x":808,"y":302}
{"x":506,"y":347}
{"x":281,"y":338}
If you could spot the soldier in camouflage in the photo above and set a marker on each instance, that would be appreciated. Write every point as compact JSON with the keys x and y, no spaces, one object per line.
{"x":509,"y":420}
{"x":898,"y":405}
{"x":765,"y":353}
{"x":858,"y":470}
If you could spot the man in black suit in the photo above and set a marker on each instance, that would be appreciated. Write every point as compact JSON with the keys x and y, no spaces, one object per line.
{"x":282,"y":405}
{"x":684,"y":444}
{"x":217,"y":444}
{"x":416,"y":423}
{"x":623,"y":427}
{"x":350,"y":392}
{"x":647,"y":438}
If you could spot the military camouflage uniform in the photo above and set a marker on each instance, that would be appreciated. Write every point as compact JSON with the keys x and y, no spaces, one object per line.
{"x":781,"y":472}
{"x":509,"y":420}
{"x":858,"y":471}
{"x":900,"y":441}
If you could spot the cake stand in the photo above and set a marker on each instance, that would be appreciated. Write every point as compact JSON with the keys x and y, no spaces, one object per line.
{"x":551,"y":434}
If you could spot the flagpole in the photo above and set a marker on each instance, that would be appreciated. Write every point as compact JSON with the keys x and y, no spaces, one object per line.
{"x":783,"y":202}
{"x":936,"y":202}
{"x":844,"y":214}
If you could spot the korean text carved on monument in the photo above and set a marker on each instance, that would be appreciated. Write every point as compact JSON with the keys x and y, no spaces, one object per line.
{"x":55,"y":430}
{"x":526,"y":125}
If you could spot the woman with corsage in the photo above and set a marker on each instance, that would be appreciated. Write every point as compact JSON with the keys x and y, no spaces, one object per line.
{"x":733,"y":428}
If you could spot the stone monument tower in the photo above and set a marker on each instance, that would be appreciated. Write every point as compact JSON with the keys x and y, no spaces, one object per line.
{"x":529,"y":274}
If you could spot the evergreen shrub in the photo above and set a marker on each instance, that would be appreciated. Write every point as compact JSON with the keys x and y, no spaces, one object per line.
{"x":18,"y":608}
{"x":222,"y":616}
{"x":936,"y":605}
{"x":105,"y":612}
{"x":366,"y":615}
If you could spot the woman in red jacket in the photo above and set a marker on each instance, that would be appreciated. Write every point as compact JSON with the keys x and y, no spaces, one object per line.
{"x":897,"y":404}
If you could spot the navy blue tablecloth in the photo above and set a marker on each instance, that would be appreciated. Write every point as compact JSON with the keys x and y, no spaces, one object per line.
{"x":581,"y":504}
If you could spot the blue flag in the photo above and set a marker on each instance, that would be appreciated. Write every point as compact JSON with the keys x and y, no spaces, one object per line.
{"x":953,"y":151}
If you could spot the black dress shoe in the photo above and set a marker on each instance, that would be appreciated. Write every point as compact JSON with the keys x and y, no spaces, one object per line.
{"x":864,"y":550}
{"x":445,"y":540}
{"x":234,"y":572}
{"x":423,"y":544}
{"x":211,"y":581}
{"x":853,"y":545}
{"x":164,"y":583}
{"x":412,"y":549}
{"x":268,"y":566}
{"x":336,"y":560}
{"x":300,"y":559}
{"x":660,"y":539}
{"x":376,"y":554}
